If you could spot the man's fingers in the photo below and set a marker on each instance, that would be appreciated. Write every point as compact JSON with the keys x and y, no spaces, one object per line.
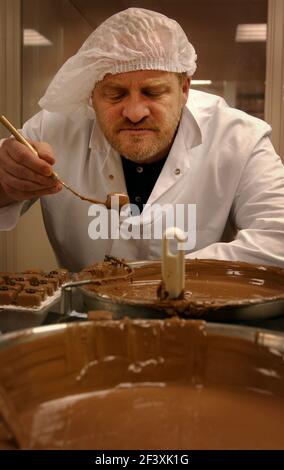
{"x":24,"y":156}
{"x":44,"y":150}
{"x":48,"y":159}
{"x":22,"y":196}
{"x":24,"y":173}
{"x":23,"y":185}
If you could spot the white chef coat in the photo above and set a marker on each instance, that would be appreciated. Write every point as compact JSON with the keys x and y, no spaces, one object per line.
{"x":221,"y":160}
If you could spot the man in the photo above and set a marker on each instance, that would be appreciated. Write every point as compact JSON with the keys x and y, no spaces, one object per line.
{"x":120,"y":117}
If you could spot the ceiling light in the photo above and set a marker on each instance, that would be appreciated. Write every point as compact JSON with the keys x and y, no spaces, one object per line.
{"x":34,"y":38}
{"x":201,"y":82}
{"x":251,"y":32}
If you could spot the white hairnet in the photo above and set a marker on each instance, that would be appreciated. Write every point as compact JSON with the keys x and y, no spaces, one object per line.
{"x":133,"y":39}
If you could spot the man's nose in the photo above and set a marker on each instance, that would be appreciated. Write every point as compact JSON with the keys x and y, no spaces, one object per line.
{"x":135,"y":109}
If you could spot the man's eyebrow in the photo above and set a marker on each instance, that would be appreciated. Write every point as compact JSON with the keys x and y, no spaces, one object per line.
{"x":112,"y":85}
{"x":155,"y":83}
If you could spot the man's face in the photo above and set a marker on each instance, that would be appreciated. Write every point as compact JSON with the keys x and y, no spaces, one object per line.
{"x":139,"y":112}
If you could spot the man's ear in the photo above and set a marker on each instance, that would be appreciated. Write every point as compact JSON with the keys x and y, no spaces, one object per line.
{"x":185,"y":88}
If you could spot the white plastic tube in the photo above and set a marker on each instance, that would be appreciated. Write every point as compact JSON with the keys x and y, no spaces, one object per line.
{"x":173,"y":265}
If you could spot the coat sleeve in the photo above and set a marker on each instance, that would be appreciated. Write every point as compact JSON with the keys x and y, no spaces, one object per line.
{"x":10,"y":215}
{"x":257,"y":212}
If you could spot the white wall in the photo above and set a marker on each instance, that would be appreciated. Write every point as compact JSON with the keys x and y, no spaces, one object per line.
{"x":27,"y":245}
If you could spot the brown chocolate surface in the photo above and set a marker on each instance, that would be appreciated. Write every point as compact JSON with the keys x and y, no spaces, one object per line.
{"x":167,"y":417}
{"x":30,"y":289}
{"x":107,"y":271}
{"x":171,"y":384}
{"x":7,"y":294}
{"x":209,"y":284}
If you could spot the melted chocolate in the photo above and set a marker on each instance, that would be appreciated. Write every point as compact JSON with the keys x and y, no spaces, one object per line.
{"x":172,"y":384}
{"x":209,"y":284}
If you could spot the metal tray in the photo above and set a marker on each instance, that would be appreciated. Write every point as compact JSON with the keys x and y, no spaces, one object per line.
{"x":245,"y":310}
{"x":14,"y":317}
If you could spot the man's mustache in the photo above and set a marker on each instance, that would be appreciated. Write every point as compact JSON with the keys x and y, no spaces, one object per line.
{"x":128,"y":125}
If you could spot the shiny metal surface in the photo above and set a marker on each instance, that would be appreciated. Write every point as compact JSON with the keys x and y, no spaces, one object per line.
{"x":243,"y":310}
{"x":272,"y":340}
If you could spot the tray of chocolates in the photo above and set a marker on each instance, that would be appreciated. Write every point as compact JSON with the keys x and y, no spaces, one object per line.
{"x":29,"y":293}
{"x":110,"y":270}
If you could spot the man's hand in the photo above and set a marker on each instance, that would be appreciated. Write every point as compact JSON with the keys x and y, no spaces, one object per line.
{"x":23,"y":175}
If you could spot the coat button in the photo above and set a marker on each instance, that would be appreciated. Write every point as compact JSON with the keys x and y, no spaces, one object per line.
{"x":177,"y":171}
{"x":139,"y":169}
{"x":138,"y":199}
{"x":111,"y":177}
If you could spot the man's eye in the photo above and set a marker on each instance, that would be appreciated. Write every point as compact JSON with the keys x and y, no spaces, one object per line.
{"x":114,"y":97}
{"x":153,"y":94}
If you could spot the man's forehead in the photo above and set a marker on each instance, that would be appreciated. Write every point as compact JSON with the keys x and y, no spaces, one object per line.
{"x":143,"y":77}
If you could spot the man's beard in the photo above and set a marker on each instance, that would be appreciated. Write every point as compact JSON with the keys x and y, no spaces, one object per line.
{"x":138,"y":149}
{"x":142,"y":148}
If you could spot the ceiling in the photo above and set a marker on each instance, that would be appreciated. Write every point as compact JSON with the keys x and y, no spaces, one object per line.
{"x":184,"y":11}
{"x":209,"y":24}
